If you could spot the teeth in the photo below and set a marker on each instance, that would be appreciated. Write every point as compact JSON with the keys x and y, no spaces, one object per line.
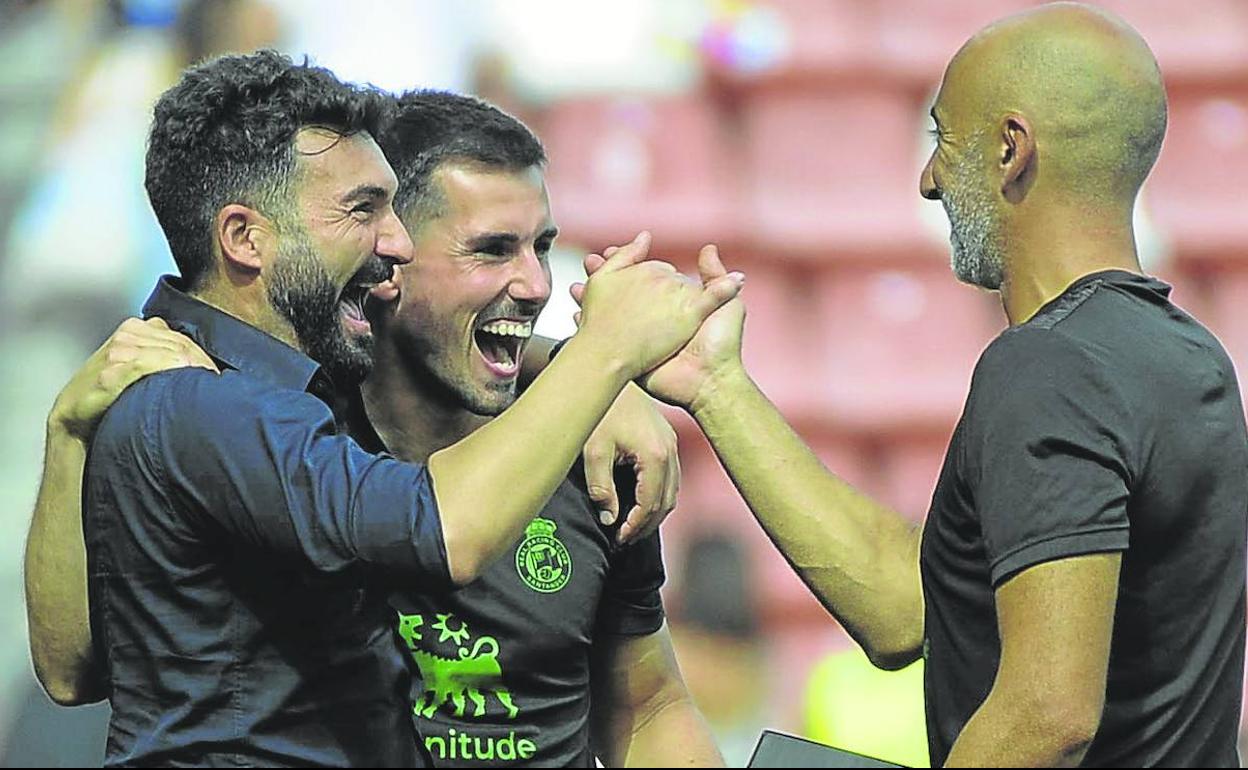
{"x":509,"y":329}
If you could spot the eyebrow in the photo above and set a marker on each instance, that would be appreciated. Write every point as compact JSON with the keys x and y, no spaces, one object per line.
{"x":492,"y":240}
{"x":365,"y":191}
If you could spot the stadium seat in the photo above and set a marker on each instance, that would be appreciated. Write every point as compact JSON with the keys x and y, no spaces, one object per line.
{"x":1228,"y":316}
{"x":834,"y":174}
{"x":708,"y":501}
{"x":620,"y":165}
{"x":909,"y":469}
{"x":919,"y":37}
{"x":775,"y":347}
{"x":1194,"y":191}
{"x":898,"y":346}
{"x":1205,"y":44}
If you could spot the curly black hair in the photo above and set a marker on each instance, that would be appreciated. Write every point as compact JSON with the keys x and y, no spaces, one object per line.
{"x":226,"y":134}
{"x":426,"y":128}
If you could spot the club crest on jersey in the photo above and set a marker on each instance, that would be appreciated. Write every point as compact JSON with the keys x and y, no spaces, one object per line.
{"x":542,"y":560}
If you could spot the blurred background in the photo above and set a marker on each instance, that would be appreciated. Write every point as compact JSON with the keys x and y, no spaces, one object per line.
{"x":791,"y":132}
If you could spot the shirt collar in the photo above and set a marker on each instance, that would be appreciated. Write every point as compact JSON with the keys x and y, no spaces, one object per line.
{"x":229,"y":340}
{"x":1126,"y":279}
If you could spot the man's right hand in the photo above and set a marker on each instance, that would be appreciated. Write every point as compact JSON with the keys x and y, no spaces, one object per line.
{"x":711,"y":358}
{"x":136,"y":349}
{"x":644,"y":310}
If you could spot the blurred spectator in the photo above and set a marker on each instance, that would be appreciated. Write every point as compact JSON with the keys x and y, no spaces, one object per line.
{"x":88,"y":213}
{"x":716,"y":634}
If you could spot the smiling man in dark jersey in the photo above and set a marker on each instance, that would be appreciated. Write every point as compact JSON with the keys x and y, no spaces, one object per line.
{"x":559,"y":652}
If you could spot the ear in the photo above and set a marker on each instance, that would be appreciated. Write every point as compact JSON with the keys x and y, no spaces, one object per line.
{"x":246,"y":237}
{"x":1018,"y":156}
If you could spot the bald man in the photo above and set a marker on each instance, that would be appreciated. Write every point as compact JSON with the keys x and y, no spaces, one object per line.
{"x":1078,"y":588}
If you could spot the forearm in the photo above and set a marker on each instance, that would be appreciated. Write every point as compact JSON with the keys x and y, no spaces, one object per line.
{"x":676,"y":735}
{"x":56,"y":578}
{"x":492,"y":483}
{"x":642,"y":713}
{"x":1015,"y":732}
{"x":858,"y":557}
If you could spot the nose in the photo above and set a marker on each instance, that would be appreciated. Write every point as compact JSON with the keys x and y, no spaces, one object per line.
{"x":531,"y":281}
{"x":393,"y":242}
{"x":927,"y":180}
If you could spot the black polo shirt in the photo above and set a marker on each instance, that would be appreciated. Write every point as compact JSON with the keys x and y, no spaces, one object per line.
{"x":1111,"y":421}
{"x":230,"y":528}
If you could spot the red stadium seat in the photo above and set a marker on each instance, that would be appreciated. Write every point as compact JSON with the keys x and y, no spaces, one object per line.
{"x":620,"y":165}
{"x":898,"y":347}
{"x":1194,"y":192}
{"x":834,"y":174}
{"x":1204,"y":41}
{"x":1207,"y":42}
{"x":919,"y":37}
{"x":777,"y":332}
{"x":708,"y":500}
{"x":1228,"y":316}
{"x":909,"y":470}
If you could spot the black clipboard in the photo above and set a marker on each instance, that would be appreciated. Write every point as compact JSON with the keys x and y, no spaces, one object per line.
{"x":776,"y":749}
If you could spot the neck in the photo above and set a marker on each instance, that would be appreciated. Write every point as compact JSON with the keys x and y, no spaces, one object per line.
{"x":1046,"y":254}
{"x":410,"y":418}
{"x":249,"y":304}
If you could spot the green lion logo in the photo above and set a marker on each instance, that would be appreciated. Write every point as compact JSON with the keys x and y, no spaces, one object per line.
{"x":543,"y":562}
{"x":452,"y":682}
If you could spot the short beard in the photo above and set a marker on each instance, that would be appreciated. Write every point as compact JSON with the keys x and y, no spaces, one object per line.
{"x":978,"y":254}
{"x":301,"y":289}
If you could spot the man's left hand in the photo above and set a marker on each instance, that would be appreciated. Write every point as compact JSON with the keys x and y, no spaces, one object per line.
{"x":633,"y":433}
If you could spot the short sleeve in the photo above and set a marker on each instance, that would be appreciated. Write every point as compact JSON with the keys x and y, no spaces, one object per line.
{"x":1047,"y":453}
{"x":268,"y":467}
{"x":631,"y":604}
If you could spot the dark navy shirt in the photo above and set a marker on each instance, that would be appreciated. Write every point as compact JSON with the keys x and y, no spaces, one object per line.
{"x":231,"y":529}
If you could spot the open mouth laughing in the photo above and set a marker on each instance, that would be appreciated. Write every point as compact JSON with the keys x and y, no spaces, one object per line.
{"x":500,"y":343}
{"x":351,"y":308}
{"x":374,"y":281}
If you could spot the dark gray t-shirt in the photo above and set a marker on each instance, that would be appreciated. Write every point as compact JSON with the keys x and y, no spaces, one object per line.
{"x":505,"y":662}
{"x":1110,"y":421}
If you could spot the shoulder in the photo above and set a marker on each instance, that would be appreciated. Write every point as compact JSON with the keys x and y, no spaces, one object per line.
{"x":1033,"y":357}
{"x":199,"y":402}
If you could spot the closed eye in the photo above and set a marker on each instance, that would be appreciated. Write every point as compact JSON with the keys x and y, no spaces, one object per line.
{"x":497,"y":250}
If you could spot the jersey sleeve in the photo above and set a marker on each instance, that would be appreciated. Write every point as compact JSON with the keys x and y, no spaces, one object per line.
{"x":631,"y":604}
{"x":1047,"y":453}
{"x":268,"y":468}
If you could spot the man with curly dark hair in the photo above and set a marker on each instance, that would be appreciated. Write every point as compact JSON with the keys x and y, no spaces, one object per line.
{"x":232,"y":528}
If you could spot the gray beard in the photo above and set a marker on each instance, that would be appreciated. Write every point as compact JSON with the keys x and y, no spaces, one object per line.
{"x":977,"y":256}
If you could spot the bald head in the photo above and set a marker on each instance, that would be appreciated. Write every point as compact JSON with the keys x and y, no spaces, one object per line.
{"x":1084,"y":80}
